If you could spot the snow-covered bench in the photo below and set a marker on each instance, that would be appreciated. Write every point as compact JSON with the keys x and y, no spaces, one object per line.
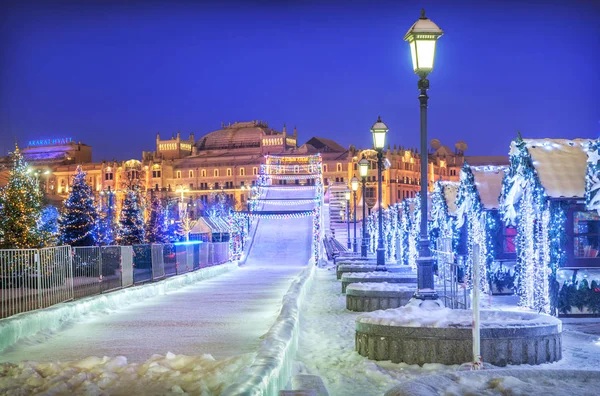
{"x":367,"y":297}
{"x":377,"y":277}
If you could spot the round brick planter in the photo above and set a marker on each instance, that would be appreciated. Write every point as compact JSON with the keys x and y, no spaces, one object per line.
{"x":580,"y":382}
{"x":515,"y":342}
{"x":343,"y":268}
{"x":377,"y":277}
{"x":377,"y":296}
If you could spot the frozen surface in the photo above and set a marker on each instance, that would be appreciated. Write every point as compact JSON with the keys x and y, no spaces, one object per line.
{"x":326,"y":347}
{"x":414,"y":316}
{"x":225,"y":316}
{"x":383,"y":286}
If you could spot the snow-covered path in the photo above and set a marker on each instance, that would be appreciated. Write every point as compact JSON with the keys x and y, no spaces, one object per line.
{"x":326,"y":346}
{"x":222,"y":316}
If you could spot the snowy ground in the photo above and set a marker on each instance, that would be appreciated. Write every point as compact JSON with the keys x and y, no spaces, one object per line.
{"x":223,"y":317}
{"x":326,"y":346}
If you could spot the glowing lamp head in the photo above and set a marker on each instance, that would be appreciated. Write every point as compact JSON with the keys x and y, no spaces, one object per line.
{"x":363,"y":167}
{"x":347,"y":195}
{"x":354,"y":183}
{"x":379,"y":130}
{"x":422,"y":37}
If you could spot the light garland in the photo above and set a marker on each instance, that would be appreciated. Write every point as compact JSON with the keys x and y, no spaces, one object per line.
{"x":592,"y":177}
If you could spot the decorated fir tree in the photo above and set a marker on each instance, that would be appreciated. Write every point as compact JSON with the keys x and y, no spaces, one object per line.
{"x":156,"y":227}
{"x":77,"y":222}
{"x":20,"y":207}
{"x":48,"y":226}
{"x":131,"y":230}
{"x":106,"y":226}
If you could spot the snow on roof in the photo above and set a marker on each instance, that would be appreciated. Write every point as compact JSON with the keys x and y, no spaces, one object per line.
{"x":561,"y":165}
{"x":488,"y":180}
{"x":450,"y":189}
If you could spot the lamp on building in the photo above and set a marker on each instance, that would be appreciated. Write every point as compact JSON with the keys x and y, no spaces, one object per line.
{"x":363,"y":170}
{"x":347,"y":196}
{"x":379,"y":130}
{"x":354,"y":184}
{"x":422,"y":38}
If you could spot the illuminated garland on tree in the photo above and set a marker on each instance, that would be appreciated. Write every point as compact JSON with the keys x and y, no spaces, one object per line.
{"x":592,"y":177}
{"x":403,"y":234}
{"x":48,"y":226}
{"x":156,"y":226}
{"x":20,"y":208}
{"x":106,"y":224}
{"x":77,"y":222}
{"x":132,"y":230}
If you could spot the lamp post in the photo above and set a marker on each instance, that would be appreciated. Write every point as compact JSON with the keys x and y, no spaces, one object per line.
{"x":363,"y":170}
{"x":347,"y":196}
{"x":379,"y":130}
{"x":354,"y":184}
{"x":422,"y":37}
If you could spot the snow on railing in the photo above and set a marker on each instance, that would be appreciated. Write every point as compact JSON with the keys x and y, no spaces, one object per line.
{"x":272,"y":368}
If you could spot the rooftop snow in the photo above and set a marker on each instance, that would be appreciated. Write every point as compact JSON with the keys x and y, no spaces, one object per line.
{"x":488,"y":180}
{"x":561,"y":165}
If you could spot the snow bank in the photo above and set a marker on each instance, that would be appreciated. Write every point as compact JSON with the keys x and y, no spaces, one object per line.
{"x":504,"y":382}
{"x":159,"y":375}
{"x":383,"y":286}
{"x":272,"y":367}
{"x":29,"y":323}
{"x":414,"y":316}
{"x":375,"y":274}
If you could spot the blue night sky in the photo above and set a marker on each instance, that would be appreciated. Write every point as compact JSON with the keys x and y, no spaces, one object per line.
{"x":114,"y":75}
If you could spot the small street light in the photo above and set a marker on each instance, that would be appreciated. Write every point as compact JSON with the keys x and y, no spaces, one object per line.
{"x":354,"y":184}
{"x":379,"y":130}
{"x":422,"y":38}
{"x":363,"y":170}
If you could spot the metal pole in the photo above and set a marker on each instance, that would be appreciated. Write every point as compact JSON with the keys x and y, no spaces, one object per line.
{"x":363,"y":245}
{"x":348,"y":222}
{"x":355,"y":249}
{"x":380,"y":249}
{"x":425,"y":286}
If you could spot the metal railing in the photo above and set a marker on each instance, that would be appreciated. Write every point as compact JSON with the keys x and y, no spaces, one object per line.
{"x":34,"y":278}
{"x":38,"y":278}
{"x":451,"y":273}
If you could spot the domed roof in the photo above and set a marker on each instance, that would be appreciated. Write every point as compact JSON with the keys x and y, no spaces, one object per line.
{"x":237,"y":135}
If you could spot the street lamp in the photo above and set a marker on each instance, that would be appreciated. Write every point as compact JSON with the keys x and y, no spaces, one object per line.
{"x":422,"y":37}
{"x":363,"y":170}
{"x":379,"y":130}
{"x":354,"y":184}
{"x":347,"y":196}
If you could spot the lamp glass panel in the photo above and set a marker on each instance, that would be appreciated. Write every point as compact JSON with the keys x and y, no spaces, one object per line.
{"x":354,"y":184}
{"x":379,"y":139}
{"x":347,"y":196}
{"x":413,"y":54}
{"x":363,"y":168}
{"x":425,"y":54}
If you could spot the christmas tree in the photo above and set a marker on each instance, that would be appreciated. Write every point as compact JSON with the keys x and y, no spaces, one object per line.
{"x":106,"y":225}
{"x":131,"y":230}
{"x":20,"y":207}
{"x":156,"y":227}
{"x":48,"y":226}
{"x":77,"y":223}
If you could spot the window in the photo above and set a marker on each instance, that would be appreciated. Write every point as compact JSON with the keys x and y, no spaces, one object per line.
{"x":156,"y":186}
{"x":339,"y":167}
{"x":203,"y":173}
{"x":191,"y":186}
{"x":242,"y":171}
{"x":216,"y":173}
{"x":296,"y":169}
{"x":586,"y":232}
{"x":191,"y":173}
{"x":108,"y":176}
{"x":178,"y":175}
{"x":510,"y":234}
{"x":156,"y":173}
{"x":324,"y":167}
{"x":228,"y":171}
{"x":255,"y":171}
{"x":216,"y":185}
{"x":370,"y":192}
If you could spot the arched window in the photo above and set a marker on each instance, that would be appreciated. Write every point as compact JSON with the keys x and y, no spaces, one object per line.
{"x":242,"y":171}
{"x":339,"y":167}
{"x":324,"y":167}
{"x":191,"y":173}
{"x":228,"y":171}
{"x":203,"y":172}
{"x":178,"y":174}
{"x":216,"y":173}
{"x":255,"y":171}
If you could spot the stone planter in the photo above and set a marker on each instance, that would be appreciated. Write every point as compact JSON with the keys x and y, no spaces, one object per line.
{"x":343,"y":268}
{"x":508,"y":342}
{"x":377,"y":277}
{"x":531,"y":382}
{"x":367,"y":297}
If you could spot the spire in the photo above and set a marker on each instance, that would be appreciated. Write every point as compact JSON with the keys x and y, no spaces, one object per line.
{"x":295,"y":131}
{"x":284,"y":129}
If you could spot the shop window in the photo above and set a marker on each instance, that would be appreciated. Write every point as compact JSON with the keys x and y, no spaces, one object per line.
{"x":586,"y":240}
{"x":509,"y":237}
